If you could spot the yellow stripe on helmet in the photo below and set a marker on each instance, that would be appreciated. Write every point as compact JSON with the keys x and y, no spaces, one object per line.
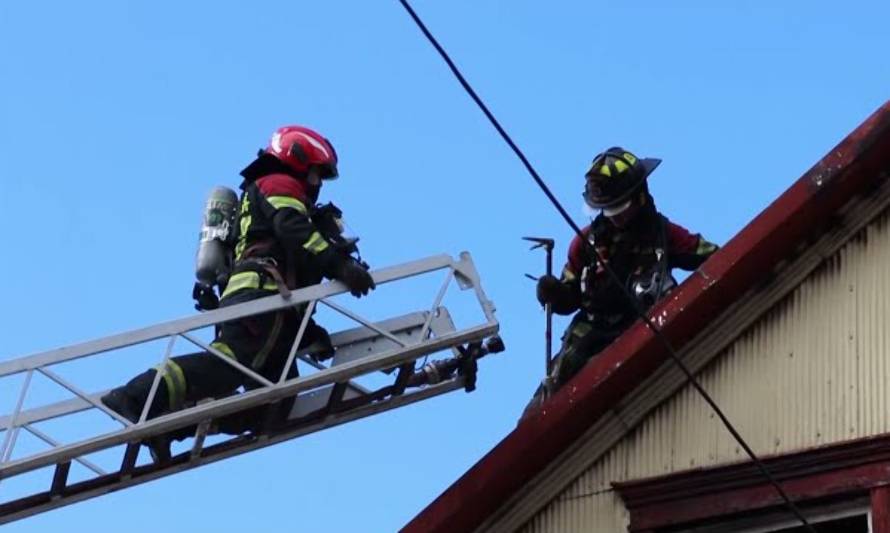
{"x":621,"y":166}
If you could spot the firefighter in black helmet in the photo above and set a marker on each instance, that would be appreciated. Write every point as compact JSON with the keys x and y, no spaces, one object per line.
{"x":637,"y":242}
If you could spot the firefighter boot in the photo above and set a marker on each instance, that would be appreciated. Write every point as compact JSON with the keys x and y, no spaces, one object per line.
{"x":317,"y":342}
{"x":123,"y":404}
{"x":159,"y":448}
{"x":120,"y":402}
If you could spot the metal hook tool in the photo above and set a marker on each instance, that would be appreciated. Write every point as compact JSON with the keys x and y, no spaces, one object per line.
{"x":547,"y":245}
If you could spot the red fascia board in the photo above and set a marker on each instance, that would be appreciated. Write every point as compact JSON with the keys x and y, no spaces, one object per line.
{"x":798,"y":215}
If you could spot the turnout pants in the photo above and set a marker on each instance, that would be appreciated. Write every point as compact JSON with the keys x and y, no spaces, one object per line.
{"x":582,"y":340}
{"x":261,"y":343}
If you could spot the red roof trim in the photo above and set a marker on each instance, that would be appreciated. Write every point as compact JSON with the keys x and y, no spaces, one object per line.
{"x":801,"y":213}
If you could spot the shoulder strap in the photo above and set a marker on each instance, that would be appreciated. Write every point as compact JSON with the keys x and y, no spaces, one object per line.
{"x":662,"y":252}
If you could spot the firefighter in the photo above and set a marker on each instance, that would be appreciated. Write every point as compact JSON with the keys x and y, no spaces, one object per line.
{"x":277,"y":243}
{"x":639,"y":244}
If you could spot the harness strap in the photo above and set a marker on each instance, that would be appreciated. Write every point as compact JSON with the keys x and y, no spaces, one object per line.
{"x":260,"y":248}
{"x":283,"y":287}
{"x":255,"y":252}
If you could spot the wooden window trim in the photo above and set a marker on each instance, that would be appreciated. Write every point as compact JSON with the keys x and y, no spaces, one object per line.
{"x":853,"y":469}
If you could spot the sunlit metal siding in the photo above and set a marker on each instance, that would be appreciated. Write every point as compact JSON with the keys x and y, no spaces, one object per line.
{"x":588,"y":503}
{"x":873,"y":339}
{"x":811,"y":371}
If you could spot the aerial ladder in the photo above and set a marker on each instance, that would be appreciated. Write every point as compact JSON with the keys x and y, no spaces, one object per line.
{"x":326,"y":393}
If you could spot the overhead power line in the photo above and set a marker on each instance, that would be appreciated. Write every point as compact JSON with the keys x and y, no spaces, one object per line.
{"x":639,"y":311}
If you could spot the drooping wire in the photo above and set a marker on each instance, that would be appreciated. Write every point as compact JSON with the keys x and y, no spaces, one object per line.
{"x":639,"y":311}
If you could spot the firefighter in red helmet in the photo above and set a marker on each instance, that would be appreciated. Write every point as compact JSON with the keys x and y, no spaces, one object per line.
{"x":637,"y":242}
{"x":277,"y":243}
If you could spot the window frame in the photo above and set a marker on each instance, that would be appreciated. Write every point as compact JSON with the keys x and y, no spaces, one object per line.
{"x":855,"y":474}
{"x":782,"y":519}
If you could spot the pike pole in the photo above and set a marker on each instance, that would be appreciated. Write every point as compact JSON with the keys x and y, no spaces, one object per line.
{"x":547,"y":245}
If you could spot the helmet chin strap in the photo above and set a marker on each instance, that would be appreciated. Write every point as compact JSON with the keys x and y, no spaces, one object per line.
{"x":313,"y":177}
{"x":638,"y":204}
{"x":313,"y":191}
{"x":618,"y":209}
{"x":313,"y":183}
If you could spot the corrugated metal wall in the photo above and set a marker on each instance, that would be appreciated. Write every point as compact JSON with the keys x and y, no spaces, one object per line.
{"x":812,"y":371}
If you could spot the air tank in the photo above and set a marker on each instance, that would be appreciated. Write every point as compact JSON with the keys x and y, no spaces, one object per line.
{"x":214,"y":257}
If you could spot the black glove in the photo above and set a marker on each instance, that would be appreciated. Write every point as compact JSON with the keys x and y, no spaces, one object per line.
{"x":548,"y":289}
{"x":354,"y":276}
{"x":563,"y":298}
{"x":205,"y":297}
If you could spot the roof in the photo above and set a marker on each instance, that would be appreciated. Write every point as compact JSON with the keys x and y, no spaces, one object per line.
{"x":802,"y":212}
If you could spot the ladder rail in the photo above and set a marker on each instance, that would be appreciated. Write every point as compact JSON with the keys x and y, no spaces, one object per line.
{"x":246,"y":400}
{"x":343,"y":373}
{"x":84,"y":490}
{"x":339,"y":339}
{"x":323,"y":398}
{"x":246,"y":309}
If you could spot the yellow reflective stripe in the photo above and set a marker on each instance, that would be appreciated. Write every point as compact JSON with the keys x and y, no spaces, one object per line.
{"x":224,"y":348}
{"x":174,"y":378}
{"x":247,"y":280}
{"x":580,"y":328}
{"x":171,"y":391}
{"x":632,"y":159}
{"x":279,"y":202}
{"x":244,"y":225}
{"x":242,"y":239}
{"x":621,"y":166}
{"x":178,"y":374}
{"x":568,"y":275}
{"x":705,"y":247}
{"x":240,"y":281}
{"x":260,"y":357}
{"x":316,"y":243}
{"x":605,"y":170}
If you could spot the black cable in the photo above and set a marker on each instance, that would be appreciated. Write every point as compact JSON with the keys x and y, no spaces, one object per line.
{"x":640,"y":312}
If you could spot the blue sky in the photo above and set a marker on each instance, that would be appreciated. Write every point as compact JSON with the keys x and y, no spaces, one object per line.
{"x":116,"y":118}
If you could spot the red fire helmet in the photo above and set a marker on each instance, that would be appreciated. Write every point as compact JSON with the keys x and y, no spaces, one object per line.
{"x":301,"y":148}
